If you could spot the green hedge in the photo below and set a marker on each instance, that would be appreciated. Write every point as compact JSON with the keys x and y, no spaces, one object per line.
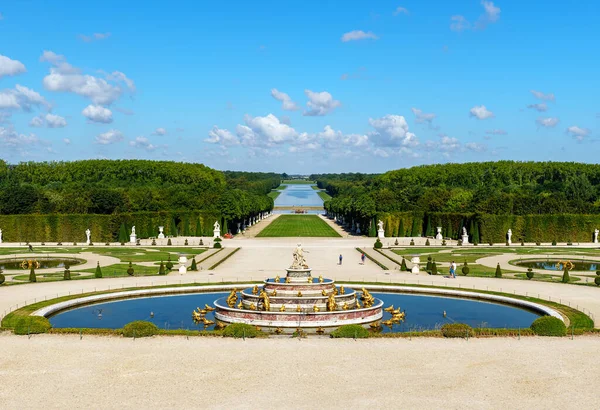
{"x":350,"y":332}
{"x":139,"y":328}
{"x":549,"y":326}
{"x":239,"y":330}
{"x":457,"y":330}
{"x":32,"y":325}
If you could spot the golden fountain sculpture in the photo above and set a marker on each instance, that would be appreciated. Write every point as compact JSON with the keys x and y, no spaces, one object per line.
{"x":265,"y":300}
{"x":367,"y":298}
{"x":29,"y":263}
{"x":331,"y":305}
{"x":232,"y":298}
{"x":565,"y":265}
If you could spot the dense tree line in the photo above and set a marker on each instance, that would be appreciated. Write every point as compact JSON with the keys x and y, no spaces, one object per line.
{"x":130,"y":186}
{"x":496,"y":188}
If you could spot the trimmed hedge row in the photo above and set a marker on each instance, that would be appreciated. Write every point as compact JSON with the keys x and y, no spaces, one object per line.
{"x":31,"y":325}
{"x":549,"y":326}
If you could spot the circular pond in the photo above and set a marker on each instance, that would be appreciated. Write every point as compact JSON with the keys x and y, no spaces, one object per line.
{"x":175,"y":312}
{"x":559,"y":265}
{"x":44,"y":263}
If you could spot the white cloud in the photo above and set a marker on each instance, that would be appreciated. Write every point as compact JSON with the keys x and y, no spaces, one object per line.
{"x":333,"y":139}
{"x":391,"y":130}
{"x":10,"y":67}
{"x":549,"y":122}
{"x":358,"y":35}
{"x":578,"y":133}
{"x":64,"y":77}
{"x":286,"y":102}
{"x":496,"y":132}
{"x":421,"y":117}
{"x":21,"y":98}
{"x":161,"y":132}
{"x":542,"y":107}
{"x":492,"y":15}
{"x":320,"y":103}
{"x":480,"y":112}
{"x":97,"y":113}
{"x":95,"y":36}
{"x":475,"y":146}
{"x":55,"y":121}
{"x":541,"y":96}
{"x":221,"y":136}
{"x":37,"y":122}
{"x":269,"y":129}
{"x":400,"y":10}
{"x":142,"y":143}
{"x":459,"y":23}
{"x":10,"y":139}
{"x":109,"y":137}
{"x":67,"y":141}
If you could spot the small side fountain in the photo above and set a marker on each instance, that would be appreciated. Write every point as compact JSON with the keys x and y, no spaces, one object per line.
{"x":299,"y":302}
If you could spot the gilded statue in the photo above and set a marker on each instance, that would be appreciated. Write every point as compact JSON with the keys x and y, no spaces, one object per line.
{"x":277,"y":278}
{"x":342,"y":290}
{"x":310,"y":280}
{"x":298,"y":308}
{"x":367,"y":298}
{"x":321,"y":279}
{"x":240,"y":305}
{"x":232,"y":298}
{"x":320,"y":331}
{"x":316,"y":308}
{"x":274,"y":293}
{"x":255,"y":290}
{"x":265,"y":300}
{"x":282,"y":308}
{"x":299,"y":294}
{"x":324,"y":292}
{"x":331,"y":305}
{"x":389,"y":309}
{"x":287,"y":279}
{"x":252,"y":306}
{"x":345,"y":307}
{"x":208,"y":308}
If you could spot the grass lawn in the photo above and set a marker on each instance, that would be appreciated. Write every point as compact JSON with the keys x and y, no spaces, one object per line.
{"x":298,"y":225}
{"x":274,"y":194}
{"x":120,"y":269}
{"x":324,"y":195}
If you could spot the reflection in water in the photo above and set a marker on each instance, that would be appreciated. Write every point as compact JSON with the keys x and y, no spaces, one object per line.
{"x":175,"y":312}
{"x":554,"y":265}
{"x":299,"y":195}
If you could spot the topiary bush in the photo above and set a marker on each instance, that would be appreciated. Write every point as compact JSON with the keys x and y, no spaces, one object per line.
{"x":378,"y":244}
{"x":350,"y":332}
{"x":98,"y":273}
{"x":434,"y":270}
{"x":427,"y":243}
{"x":443,"y":242}
{"x":554,"y":242}
{"x":32,"y":276}
{"x":238,"y":330}
{"x":161,"y":268}
{"x":31,"y":325}
{"x":529,"y":273}
{"x":597,"y":280}
{"x":452,"y":330}
{"x":465,"y":269}
{"x":217,"y":245}
{"x":549,"y":326}
{"x":169,"y":242}
{"x":498,"y":273}
{"x":403,"y":266}
{"x":2,"y":277}
{"x":412,"y":242}
{"x":67,"y":273}
{"x":566,"y":278}
{"x":186,"y":242}
{"x":428,"y":266}
{"x":396,"y":242}
{"x":130,"y":270}
{"x":194,"y":267}
{"x":153,"y":242}
{"x":169,"y":264}
{"x":140,"y":328}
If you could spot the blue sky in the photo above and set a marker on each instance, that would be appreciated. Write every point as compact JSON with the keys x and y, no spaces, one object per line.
{"x":300,"y":87}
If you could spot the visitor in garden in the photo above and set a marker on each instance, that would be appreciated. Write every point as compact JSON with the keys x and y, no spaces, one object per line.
{"x":362,"y":258}
{"x":340,"y":258}
{"x":30,"y":248}
{"x":453,"y":270}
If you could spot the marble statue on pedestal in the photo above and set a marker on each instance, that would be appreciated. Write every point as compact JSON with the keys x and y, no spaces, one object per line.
{"x":0,"y":235}
{"x":465,"y":236}
{"x":88,"y":234}
{"x":438,"y":235}
{"x":595,"y":236}
{"x":509,"y":237}
{"x":217,"y":230}
{"x":132,"y":237}
{"x":299,"y":261}
{"x":161,"y":234}
{"x":380,"y":231}
{"x":239,"y":226}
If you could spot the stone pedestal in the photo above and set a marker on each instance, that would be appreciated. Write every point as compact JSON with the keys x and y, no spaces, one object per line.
{"x":380,"y":233}
{"x":415,"y":260}
{"x":133,"y":238}
{"x":216,"y":233}
{"x":438,"y":235}
{"x":465,"y":239}
{"x":161,"y":235}
{"x":182,"y":262}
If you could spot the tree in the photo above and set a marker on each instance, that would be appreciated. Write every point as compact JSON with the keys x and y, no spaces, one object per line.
{"x":498,"y":271}
{"x":415,"y":231}
{"x":2,"y":278}
{"x":428,"y":266}
{"x":169,"y":264}
{"x":161,"y":268}
{"x":566,"y":278}
{"x":98,"y":273}
{"x":434,"y":270}
{"x":32,"y":276}
{"x":198,"y":227}
{"x":476,"y":238}
{"x":130,"y":270}
{"x":529,"y":273}
{"x":428,"y":226}
{"x":403,"y":265}
{"x":173,"y":228}
{"x":123,"y":234}
{"x":67,"y":273}
{"x":465,"y":269}
{"x":401,"y":230}
{"x":194,"y":267}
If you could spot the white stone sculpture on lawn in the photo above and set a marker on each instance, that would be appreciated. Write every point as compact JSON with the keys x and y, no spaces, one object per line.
{"x":438,"y":235}
{"x":380,"y":231}
{"x":465,"y":236}
{"x":161,"y":234}
{"x":509,"y":237}
{"x":132,"y":237}
{"x":88,"y":234}
{"x":0,"y":235}
{"x":595,"y":236}
{"x":217,"y":230}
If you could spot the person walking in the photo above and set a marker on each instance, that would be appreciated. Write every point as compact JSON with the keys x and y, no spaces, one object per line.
{"x":453,"y":268}
{"x":341,"y":258}
{"x":362,"y":258}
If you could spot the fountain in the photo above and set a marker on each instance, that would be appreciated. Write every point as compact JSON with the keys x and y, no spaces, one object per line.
{"x":299,"y":302}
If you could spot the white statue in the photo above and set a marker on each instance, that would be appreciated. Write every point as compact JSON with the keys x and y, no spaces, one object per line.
{"x":217,"y":226}
{"x":464,"y":231}
{"x":438,"y":235}
{"x":595,"y":236}
{"x":132,"y":237}
{"x":217,"y":230}
{"x":161,"y":234}
{"x":88,"y":233}
{"x":380,"y":231}
{"x":133,"y":230}
{"x":509,"y":237}
{"x":380,"y":225}
{"x":299,"y":261}
{"x":465,"y":236}
{"x":0,"y":235}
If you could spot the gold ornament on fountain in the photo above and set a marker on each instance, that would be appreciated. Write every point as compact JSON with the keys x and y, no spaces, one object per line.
{"x":388,"y":323}
{"x":389,"y":309}
{"x":277,"y":278}
{"x":342,"y":290}
{"x":207,"y":322}
{"x":197,"y":316}
{"x":565,"y":265}
{"x":331,"y":305}
{"x":240,"y":305}
{"x":265,"y":300}
{"x":252,"y":306}
{"x":320,"y":331}
{"x":220,"y":325}
{"x":255,"y":290}
{"x":232,"y":298}
{"x":282,"y":308}
{"x":321,"y":279}
{"x":310,"y":280}
{"x":357,"y":305}
{"x":345,"y":307}
{"x":29,"y":263}
{"x":299,"y":294}
{"x":298,"y":308}
{"x":274,"y":293}
{"x":316,"y":308}
{"x":367,"y":298}
{"x":278,"y":331}
{"x":324,"y":292}
{"x":287,"y":279}
{"x":208,"y":308}
{"x":335,"y":291}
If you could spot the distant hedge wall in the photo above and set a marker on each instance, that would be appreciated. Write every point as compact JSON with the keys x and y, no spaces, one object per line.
{"x":105,"y":228}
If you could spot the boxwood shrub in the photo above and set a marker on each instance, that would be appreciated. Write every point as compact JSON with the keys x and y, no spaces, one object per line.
{"x":350,"y":332}
{"x":140,"y":328}
{"x":32,"y":325}
{"x":457,"y":330}
{"x":378,"y":244}
{"x":549,"y":326}
{"x":238,"y":330}
{"x":2,"y":278}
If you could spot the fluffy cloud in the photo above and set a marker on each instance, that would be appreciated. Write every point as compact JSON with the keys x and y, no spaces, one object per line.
{"x":109,"y":137}
{"x":269,"y":129}
{"x":549,"y":122}
{"x":542,"y":107}
{"x":221,"y":136}
{"x":392,"y":130}
{"x":93,"y":37}
{"x":37,"y":122}
{"x":358,"y":35}
{"x":541,"y":96}
{"x":10,"y":67}
{"x":475,"y":146}
{"x":67,"y":141}
{"x":578,"y":133}
{"x":161,"y":132}
{"x":333,"y":139}
{"x":421,"y":117}
{"x":459,"y":23}
{"x":286,"y":102}
{"x":142,"y":143}
{"x":491,"y":15}
{"x":55,"y":121}
{"x":97,"y":113}
{"x":496,"y":132}
{"x":400,"y":10}
{"x":21,"y":143}
{"x":480,"y":112}
{"x":21,"y":98}
{"x":320,"y":103}
{"x":64,"y":77}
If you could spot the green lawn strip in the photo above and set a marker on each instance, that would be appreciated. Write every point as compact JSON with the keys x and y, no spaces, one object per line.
{"x":281,"y":187}
{"x":224,"y":259}
{"x":274,"y":194}
{"x":324,"y":195}
{"x":375,"y":261}
{"x":298,"y":226}
{"x":315,"y":187}
{"x":51,"y":277}
{"x":120,"y":270}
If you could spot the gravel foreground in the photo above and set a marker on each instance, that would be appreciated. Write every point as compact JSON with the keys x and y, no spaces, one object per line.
{"x":51,"y":371}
